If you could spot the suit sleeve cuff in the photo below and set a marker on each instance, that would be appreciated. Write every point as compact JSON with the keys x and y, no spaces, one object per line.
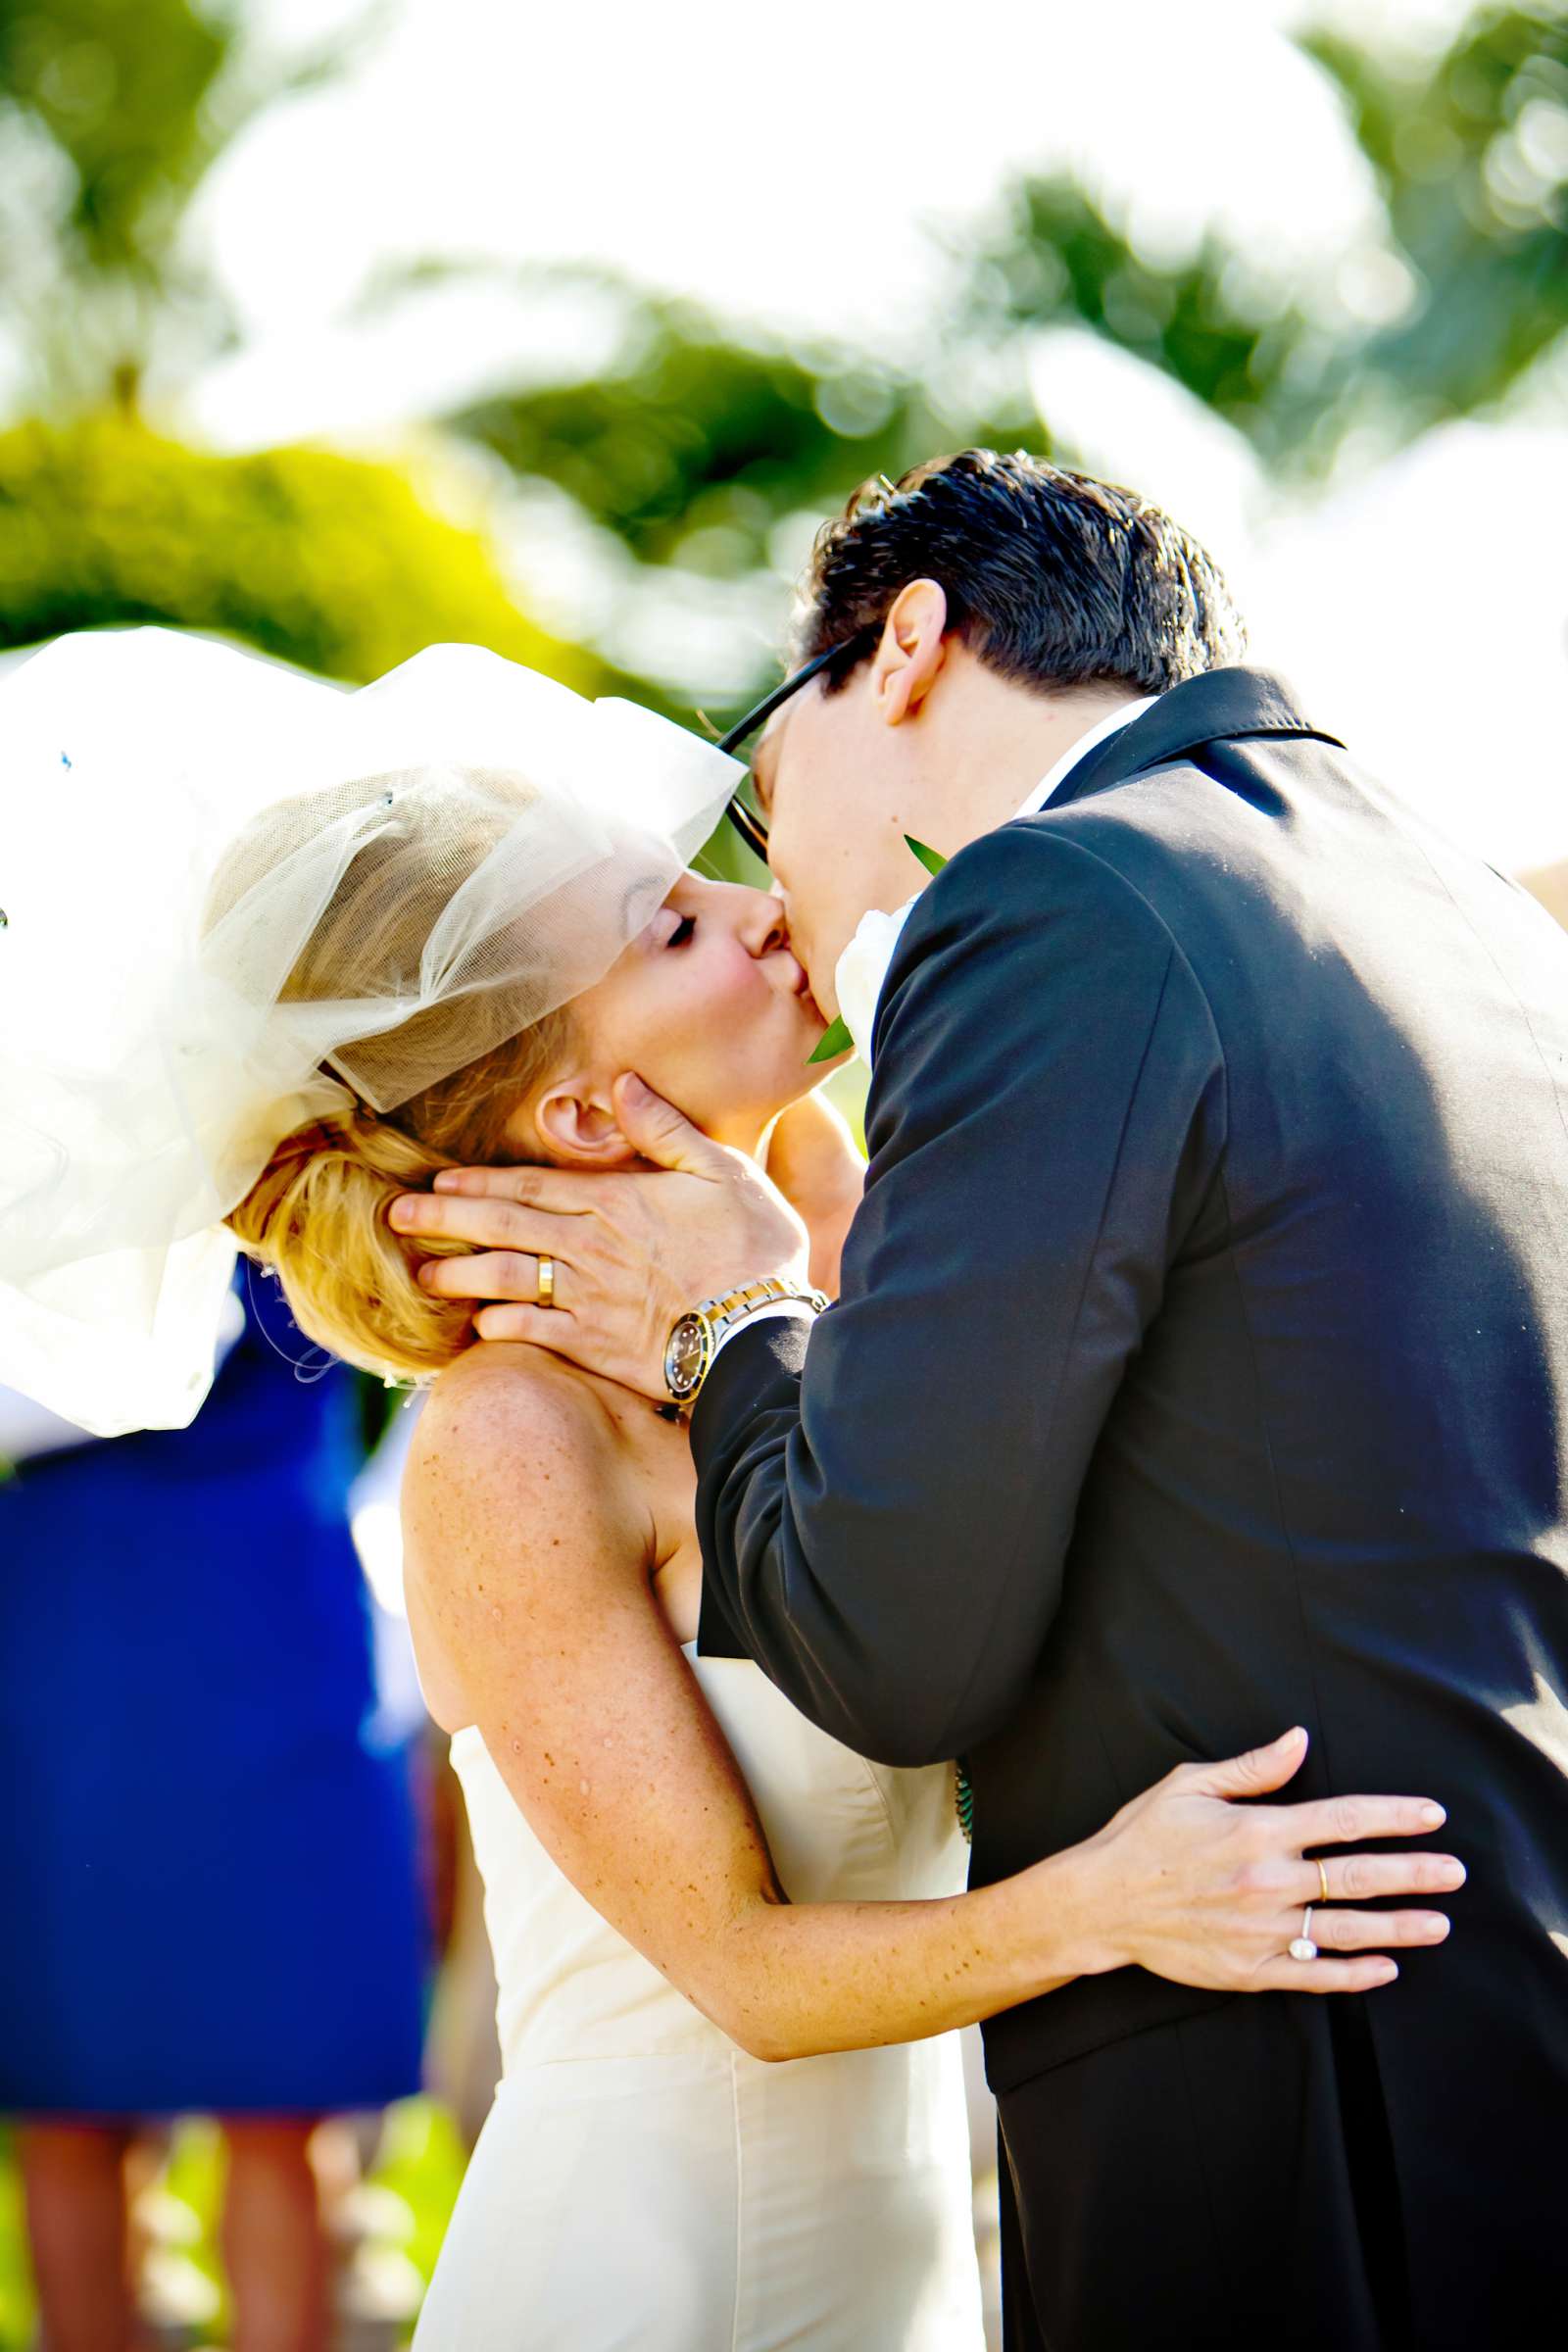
{"x":744,"y":1378}
{"x":747,"y":1361}
{"x":759,"y":1314}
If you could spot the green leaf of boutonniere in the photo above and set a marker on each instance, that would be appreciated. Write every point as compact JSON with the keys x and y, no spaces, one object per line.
{"x":836,"y":1041}
{"x":932,"y":860}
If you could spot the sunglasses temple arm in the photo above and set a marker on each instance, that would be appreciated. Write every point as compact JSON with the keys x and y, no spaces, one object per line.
{"x":747,"y":826}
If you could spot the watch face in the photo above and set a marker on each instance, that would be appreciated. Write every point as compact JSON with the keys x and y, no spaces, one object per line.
{"x":686,"y":1356}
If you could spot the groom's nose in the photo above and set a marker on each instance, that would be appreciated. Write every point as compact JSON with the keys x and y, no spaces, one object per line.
{"x":764,"y":924}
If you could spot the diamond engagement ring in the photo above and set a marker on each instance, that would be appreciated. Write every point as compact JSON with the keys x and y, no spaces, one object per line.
{"x":1304,"y":1949}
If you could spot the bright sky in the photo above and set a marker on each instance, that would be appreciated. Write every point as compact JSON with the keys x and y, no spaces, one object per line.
{"x":791,"y":165}
{"x":788,"y":164}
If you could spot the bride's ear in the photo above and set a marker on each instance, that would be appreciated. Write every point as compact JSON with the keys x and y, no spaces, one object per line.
{"x":577,"y":1126}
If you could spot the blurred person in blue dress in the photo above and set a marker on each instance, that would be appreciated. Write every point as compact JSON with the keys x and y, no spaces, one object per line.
{"x":208,"y":1844}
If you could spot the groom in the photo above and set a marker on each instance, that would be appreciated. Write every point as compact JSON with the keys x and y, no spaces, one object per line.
{"x":1201,"y":1367}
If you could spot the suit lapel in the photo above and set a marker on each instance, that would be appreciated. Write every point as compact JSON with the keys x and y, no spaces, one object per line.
{"x":1219,"y":706}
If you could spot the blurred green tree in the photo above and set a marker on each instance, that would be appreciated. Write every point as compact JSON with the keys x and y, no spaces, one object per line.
{"x":1469,"y":151}
{"x":697,"y":444}
{"x":1473,"y":163}
{"x":692,"y":445}
{"x":711,"y":450}
{"x":327,"y":560}
{"x":110,"y":114}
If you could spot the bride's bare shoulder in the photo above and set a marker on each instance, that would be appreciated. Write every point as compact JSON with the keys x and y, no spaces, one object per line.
{"x":518,"y":1508}
{"x":506,"y":1419}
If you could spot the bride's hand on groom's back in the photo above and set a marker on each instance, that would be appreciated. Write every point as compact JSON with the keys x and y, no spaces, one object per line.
{"x":1193,"y":1883}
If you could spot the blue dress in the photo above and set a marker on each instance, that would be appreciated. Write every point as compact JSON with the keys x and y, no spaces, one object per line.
{"x":207,"y":1850}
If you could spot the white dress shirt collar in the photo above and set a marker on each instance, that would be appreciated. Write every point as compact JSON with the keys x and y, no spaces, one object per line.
{"x":863,"y":965}
{"x":1122,"y":716}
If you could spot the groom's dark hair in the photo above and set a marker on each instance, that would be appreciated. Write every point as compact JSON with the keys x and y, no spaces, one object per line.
{"x":1052,"y":580}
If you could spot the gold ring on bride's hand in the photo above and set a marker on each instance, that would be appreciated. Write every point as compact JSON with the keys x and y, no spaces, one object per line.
{"x":545,"y":1294}
{"x":1323,"y":1879}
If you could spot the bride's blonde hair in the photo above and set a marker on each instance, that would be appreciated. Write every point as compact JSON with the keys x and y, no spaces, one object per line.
{"x":318,"y":1214}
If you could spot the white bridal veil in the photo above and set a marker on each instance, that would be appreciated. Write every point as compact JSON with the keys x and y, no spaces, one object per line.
{"x":175,"y":817}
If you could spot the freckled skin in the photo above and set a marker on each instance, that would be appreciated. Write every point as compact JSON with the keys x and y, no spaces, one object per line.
{"x":551,"y":1572}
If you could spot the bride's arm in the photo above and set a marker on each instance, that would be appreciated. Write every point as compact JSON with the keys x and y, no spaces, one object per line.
{"x":528,"y":1556}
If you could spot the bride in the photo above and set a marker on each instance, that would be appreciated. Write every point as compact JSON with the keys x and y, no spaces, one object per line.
{"x":401,"y":967}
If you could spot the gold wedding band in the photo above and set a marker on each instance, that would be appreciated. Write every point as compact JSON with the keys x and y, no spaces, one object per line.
{"x":545,"y":1294}
{"x":1323,"y":1880}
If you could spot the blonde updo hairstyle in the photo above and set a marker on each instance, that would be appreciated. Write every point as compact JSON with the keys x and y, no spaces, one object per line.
{"x":318,"y":1214}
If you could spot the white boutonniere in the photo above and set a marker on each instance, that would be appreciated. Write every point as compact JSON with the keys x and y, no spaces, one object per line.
{"x":863,"y":967}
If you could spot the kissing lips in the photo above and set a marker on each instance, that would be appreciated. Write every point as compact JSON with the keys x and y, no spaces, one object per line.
{"x":802,"y":988}
{"x":792,"y":973}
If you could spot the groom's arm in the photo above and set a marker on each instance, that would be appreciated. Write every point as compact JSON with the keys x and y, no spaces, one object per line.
{"x":885,"y":1512}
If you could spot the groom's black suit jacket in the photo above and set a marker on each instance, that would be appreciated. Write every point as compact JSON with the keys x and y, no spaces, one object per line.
{"x":1201,"y":1368}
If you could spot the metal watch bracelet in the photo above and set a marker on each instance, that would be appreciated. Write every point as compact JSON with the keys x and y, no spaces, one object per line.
{"x":695,"y":1336}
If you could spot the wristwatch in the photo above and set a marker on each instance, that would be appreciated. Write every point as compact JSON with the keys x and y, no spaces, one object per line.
{"x":693,"y":1338}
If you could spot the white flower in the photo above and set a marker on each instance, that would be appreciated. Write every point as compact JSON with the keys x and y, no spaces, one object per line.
{"x":862,"y":969}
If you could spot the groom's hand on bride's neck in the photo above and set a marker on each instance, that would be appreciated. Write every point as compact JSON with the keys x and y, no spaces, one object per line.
{"x":631,"y":1250}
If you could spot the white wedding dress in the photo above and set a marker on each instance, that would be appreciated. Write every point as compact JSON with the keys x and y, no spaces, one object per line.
{"x":643,"y":2186}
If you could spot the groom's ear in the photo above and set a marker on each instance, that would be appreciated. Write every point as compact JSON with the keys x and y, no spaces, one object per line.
{"x":578,"y":1127}
{"x":911,"y":652}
